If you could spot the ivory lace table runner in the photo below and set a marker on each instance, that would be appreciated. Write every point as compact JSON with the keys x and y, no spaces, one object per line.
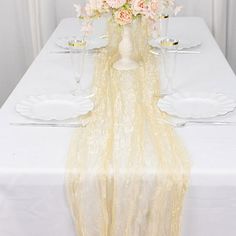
{"x":127,"y":172}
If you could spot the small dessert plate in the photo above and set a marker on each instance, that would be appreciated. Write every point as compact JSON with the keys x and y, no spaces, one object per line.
{"x":183,"y":43}
{"x":97,"y":43}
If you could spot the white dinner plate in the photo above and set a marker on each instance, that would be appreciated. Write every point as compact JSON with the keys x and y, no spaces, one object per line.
{"x":54,"y":107}
{"x":199,"y":105}
{"x":183,"y":43}
{"x":92,"y":43}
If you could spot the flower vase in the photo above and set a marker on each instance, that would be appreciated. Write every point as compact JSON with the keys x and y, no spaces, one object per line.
{"x":125,"y":49}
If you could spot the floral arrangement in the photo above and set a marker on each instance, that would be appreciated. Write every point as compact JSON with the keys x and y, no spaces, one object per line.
{"x":125,"y":11}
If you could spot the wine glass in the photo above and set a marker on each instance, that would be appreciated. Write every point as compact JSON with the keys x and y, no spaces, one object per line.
{"x":169,"y":50}
{"x":160,"y":30}
{"x":163,"y":25}
{"x":82,"y":62}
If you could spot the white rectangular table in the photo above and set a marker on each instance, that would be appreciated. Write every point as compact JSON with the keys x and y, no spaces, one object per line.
{"x":32,"y":160}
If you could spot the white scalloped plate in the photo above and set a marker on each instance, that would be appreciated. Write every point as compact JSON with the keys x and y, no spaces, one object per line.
{"x":183,"y":43}
{"x":54,"y":107}
{"x":92,"y":44}
{"x":199,"y":105}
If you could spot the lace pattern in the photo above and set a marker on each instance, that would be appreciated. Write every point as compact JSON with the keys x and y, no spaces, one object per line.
{"x":127,"y":173}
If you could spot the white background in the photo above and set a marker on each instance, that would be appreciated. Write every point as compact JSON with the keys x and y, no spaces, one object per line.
{"x":25,"y":26}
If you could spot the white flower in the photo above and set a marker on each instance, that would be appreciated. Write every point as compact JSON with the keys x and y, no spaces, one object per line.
{"x":177,"y":10}
{"x":96,"y":5}
{"x":89,"y":10}
{"x":169,"y":7}
{"x":77,"y":9}
{"x":116,"y":3}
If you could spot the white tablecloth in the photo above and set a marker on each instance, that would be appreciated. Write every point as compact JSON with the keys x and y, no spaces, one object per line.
{"x":32,"y":160}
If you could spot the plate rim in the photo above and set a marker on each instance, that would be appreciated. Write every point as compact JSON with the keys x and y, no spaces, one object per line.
{"x":29,"y":102}
{"x":196,"y":94}
{"x":197,"y":44}
{"x":70,"y":37}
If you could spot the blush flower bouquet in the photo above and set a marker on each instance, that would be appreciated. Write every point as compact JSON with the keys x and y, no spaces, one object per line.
{"x":125,"y":11}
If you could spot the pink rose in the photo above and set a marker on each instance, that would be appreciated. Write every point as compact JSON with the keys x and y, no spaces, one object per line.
{"x":154,"y":6}
{"x":123,"y":16}
{"x":139,"y":6}
{"x":152,"y":10}
{"x":116,"y":3}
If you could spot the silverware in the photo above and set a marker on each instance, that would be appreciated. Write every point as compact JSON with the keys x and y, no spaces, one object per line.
{"x":68,"y":52}
{"x":104,"y":36}
{"x":90,"y":51}
{"x":60,"y":52}
{"x":179,"y":124}
{"x":155,"y":52}
{"x":50,"y":125}
{"x":188,"y":52}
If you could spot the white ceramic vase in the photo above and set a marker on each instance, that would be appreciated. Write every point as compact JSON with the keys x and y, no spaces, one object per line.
{"x":126,"y":49}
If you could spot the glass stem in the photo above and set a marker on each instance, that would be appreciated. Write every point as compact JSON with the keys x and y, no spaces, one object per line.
{"x":169,"y":84}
